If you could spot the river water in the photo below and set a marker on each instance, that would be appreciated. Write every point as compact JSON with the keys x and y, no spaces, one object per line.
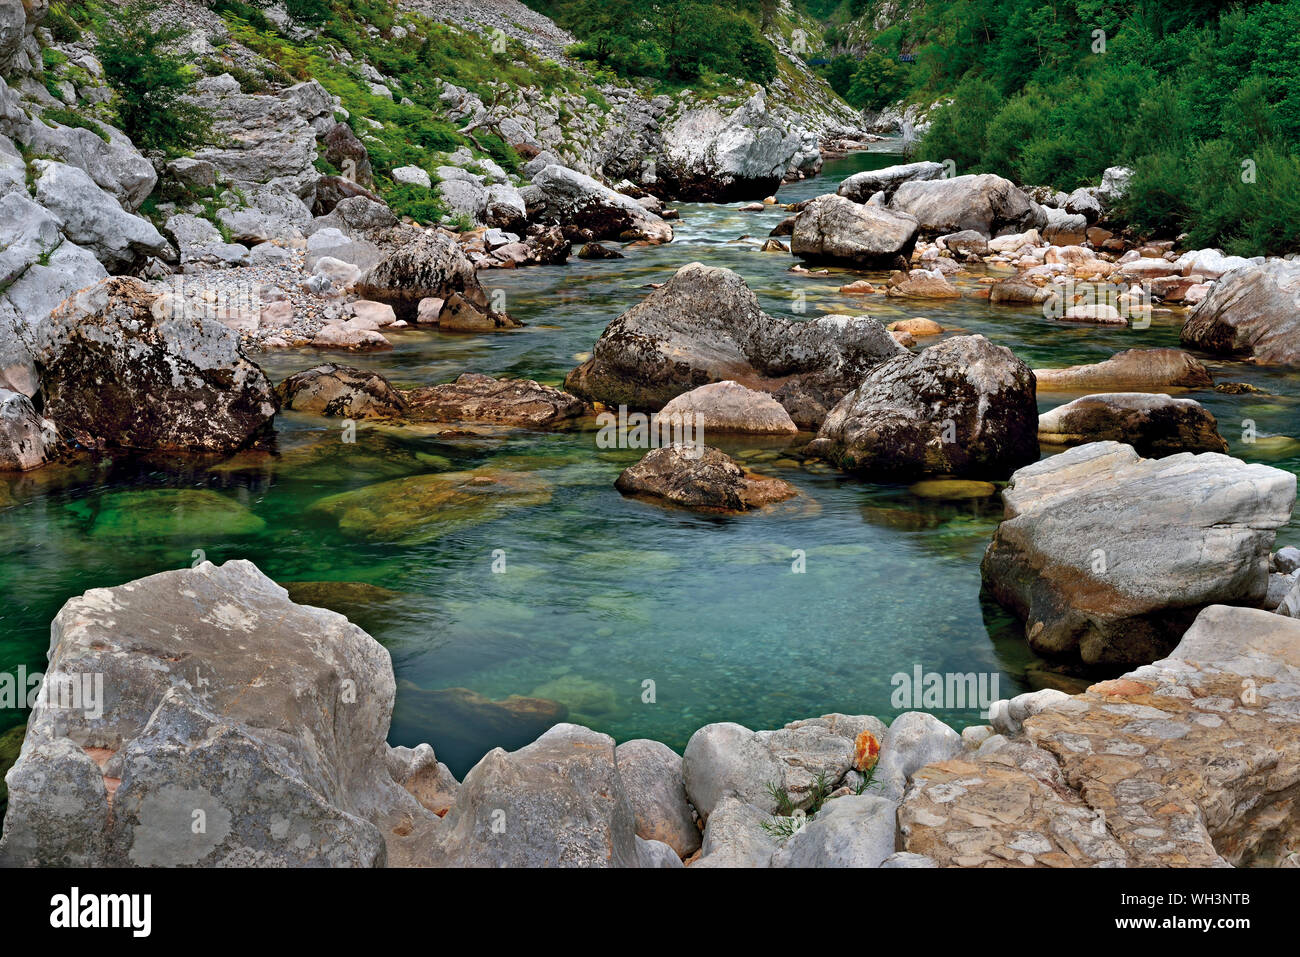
{"x":644,"y":622}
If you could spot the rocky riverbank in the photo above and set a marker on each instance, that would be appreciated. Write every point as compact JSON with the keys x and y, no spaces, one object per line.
{"x":240,"y":728}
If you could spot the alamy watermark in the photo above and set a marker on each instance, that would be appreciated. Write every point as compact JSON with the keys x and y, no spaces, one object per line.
{"x":946,"y":691}
{"x":638,"y":430}
{"x":25,"y":690}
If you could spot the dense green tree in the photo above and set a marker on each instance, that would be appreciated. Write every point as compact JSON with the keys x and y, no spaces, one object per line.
{"x":150,"y":81}
{"x":878,"y":81}
{"x":1189,"y":93}
{"x":673,"y":40}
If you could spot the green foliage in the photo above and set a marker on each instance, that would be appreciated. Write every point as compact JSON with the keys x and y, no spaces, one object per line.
{"x":69,"y":117}
{"x":308,"y":11}
{"x":878,"y":81}
{"x":1183,"y":92}
{"x":407,"y":199}
{"x":150,"y":82}
{"x":789,"y":818}
{"x":61,"y":23}
{"x":675,"y":41}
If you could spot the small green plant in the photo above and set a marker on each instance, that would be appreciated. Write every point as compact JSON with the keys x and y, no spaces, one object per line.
{"x":784,"y":805}
{"x":789,"y":817}
{"x":784,"y":827}
{"x":867,"y":781}
{"x":69,"y":117}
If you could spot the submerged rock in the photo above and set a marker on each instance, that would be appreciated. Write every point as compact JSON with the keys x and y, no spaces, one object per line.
{"x":1153,"y":425}
{"x":137,"y":515}
{"x":334,"y":390}
{"x":704,"y":325}
{"x":465,"y":723}
{"x":125,"y":367}
{"x":701,"y":478}
{"x":424,"y":508}
{"x":1107,"y":556}
{"x":221,"y":701}
{"x":962,"y":407}
{"x":1253,"y":311}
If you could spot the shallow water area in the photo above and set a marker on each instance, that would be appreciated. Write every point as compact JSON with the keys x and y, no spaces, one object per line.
{"x":536,"y":578}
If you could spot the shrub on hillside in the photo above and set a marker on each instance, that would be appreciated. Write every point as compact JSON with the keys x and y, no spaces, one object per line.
{"x":150,"y":82}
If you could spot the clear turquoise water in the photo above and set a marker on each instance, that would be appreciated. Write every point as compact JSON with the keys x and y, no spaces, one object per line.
{"x":600,"y":593}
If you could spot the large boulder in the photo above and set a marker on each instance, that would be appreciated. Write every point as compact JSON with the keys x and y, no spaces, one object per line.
{"x":13,"y":28}
{"x":736,"y":836}
{"x":1107,"y":557}
{"x":860,"y":187}
{"x":1153,"y":370}
{"x":260,"y":139}
{"x":39,"y":268}
{"x":1253,"y":312}
{"x":111,"y":160}
{"x":94,"y":219}
{"x":832,"y":228}
{"x":123,"y":366}
{"x":224,"y":726}
{"x":985,"y":203}
{"x":652,"y":778}
{"x":855,"y":830}
{"x":700,"y":478}
{"x":961,"y":407}
{"x":432,"y":267}
{"x":199,"y":243}
{"x":708,"y":155}
{"x":726,"y":760}
{"x":705,"y":325}
{"x":348,"y":154}
{"x":1154,"y":425}
{"x":558,"y":802}
{"x":561,"y":195}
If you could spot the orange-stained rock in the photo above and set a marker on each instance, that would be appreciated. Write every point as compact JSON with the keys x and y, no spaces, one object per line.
{"x":1120,"y":688}
{"x":866,"y":751}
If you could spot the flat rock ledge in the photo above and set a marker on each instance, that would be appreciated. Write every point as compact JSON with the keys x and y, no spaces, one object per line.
{"x":1192,"y":761}
{"x":335,"y":390}
{"x":226,"y":703}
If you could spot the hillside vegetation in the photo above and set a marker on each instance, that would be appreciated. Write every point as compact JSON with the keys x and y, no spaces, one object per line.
{"x":1202,"y":99}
